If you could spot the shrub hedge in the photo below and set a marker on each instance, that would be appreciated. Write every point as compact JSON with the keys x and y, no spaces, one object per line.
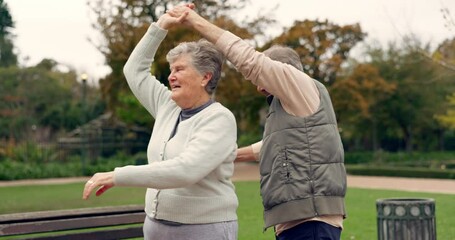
{"x":392,"y":171}
{"x":420,"y":165}
{"x":15,"y":170}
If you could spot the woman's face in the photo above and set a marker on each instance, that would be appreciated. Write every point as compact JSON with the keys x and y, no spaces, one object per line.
{"x":187,"y":84}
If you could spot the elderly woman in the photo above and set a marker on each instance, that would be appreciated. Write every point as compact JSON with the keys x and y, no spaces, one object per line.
{"x":192,"y":148}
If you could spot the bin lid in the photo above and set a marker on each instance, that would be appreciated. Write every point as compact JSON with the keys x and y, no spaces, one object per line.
{"x":404,"y":201}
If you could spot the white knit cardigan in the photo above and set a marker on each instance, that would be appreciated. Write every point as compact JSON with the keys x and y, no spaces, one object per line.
{"x":188,"y":178}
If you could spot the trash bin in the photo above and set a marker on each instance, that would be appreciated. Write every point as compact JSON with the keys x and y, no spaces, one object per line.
{"x":406,"y":219}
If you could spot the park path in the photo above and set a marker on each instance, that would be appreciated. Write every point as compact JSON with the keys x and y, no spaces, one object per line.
{"x":250,"y":172}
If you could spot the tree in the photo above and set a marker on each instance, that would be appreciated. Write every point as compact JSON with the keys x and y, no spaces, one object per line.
{"x":448,"y":119}
{"x":123,"y":24}
{"x":408,"y":114}
{"x":7,"y":55}
{"x":356,"y":100}
{"x":322,"y":45}
{"x":445,"y":53}
{"x":43,"y":99}
{"x":441,"y":55}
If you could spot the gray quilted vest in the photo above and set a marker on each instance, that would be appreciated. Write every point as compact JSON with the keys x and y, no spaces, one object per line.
{"x":302,"y":164}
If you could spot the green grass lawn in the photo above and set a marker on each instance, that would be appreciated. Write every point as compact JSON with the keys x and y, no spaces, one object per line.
{"x":361,"y":206}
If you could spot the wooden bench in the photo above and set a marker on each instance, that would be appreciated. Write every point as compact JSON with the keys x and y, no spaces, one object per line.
{"x":91,"y":222}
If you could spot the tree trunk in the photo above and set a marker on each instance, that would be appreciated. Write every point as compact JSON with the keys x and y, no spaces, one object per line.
{"x":408,"y":138}
{"x":374,"y":135}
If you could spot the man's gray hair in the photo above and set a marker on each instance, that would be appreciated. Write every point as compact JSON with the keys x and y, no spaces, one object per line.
{"x":285,"y":55}
{"x":205,"y":58}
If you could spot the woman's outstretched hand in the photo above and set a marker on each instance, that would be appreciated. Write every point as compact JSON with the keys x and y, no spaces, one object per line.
{"x":102,"y":181}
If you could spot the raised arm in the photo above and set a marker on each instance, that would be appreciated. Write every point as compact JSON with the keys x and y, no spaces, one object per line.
{"x":295,"y":89}
{"x":140,"y":81}
{"x":166,"y":21}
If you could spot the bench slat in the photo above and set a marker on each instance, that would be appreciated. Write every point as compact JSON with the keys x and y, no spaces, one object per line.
{"x":70,"y":224}
{"x":72,"y":213}
{"x":50,"y":221}
{"x":133,"y":232}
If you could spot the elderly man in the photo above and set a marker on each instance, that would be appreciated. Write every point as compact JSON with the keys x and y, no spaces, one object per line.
{"x":301,"y":156}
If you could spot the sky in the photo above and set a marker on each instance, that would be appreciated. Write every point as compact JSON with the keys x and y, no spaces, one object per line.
{"x":60,"y":29}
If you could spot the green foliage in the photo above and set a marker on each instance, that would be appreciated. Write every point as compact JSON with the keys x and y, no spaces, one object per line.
{"x":401,"y":164}
{"x":249,"y":138}
{"x":448,"y":119}
{"x":397,"y":158}
{"x":358,"y":95}
{"x":397,"y":171}
{"x":6,"y":21}
{"x":42,"y":99}
{"x":241,"y":97}
{"x":445,"y":55}
{"x":29,"y":152}
{"x":401,"y":110}
{"x":27,"y":164}
{"x":7,"y":55}
{"x":131,"y":112}
{"x":11,"y":170}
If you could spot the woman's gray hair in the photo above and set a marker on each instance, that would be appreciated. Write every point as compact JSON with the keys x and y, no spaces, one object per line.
{"x":205,"y":58}
{"x":285,"y":55}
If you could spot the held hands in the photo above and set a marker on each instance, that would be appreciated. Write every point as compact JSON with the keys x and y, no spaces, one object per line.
{"x":174,"y":17}
{"x":191,"y":19}
{"x":102,"y":181}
